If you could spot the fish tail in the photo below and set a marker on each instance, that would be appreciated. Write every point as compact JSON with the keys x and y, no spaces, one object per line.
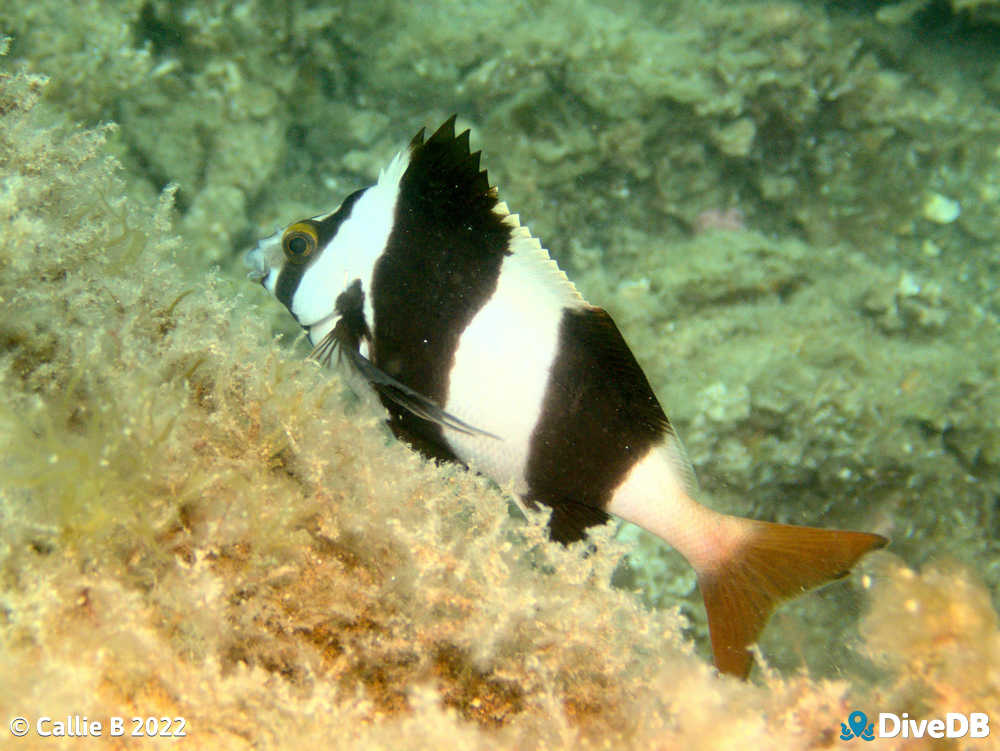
{"x":770,"y":563}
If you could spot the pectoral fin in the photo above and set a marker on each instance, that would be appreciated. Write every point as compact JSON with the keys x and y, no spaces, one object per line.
{"x":345,"y":343}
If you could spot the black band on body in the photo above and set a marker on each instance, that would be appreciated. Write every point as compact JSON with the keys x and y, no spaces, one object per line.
{"x":599,"y":417}
{"x":440,"y":266}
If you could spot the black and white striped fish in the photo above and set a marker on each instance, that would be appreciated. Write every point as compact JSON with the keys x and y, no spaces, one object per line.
{"x":483,"y":351}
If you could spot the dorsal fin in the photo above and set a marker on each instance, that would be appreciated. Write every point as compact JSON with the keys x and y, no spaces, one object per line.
{"x":418,"y":140}
{"x":447,"y":168}
{"x":526,"y":245}
{"x":457,"y":178}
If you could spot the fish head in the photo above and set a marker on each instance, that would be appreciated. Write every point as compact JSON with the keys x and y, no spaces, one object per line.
{"x":290,"y":265}
{"x":306,"y":264}
{"x":312,"y":262}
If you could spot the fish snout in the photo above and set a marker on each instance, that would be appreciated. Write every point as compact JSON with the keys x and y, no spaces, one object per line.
{"x":255,"y":259}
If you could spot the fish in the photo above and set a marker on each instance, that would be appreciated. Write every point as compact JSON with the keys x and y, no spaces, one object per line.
{"x":431,"y":292}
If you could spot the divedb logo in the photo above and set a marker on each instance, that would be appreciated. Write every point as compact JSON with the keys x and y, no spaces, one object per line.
{"x":889,"y":725}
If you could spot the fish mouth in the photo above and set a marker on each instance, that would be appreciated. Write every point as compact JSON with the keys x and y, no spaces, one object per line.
{"x":255,"y":261}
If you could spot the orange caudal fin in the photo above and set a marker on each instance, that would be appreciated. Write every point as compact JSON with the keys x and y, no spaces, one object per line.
{"x":771,"y":563}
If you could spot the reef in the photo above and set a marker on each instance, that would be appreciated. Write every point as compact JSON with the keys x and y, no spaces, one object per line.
{"x":791,"y":211}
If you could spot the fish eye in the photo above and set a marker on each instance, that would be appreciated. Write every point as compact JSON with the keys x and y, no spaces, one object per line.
{"x":299,"y":241}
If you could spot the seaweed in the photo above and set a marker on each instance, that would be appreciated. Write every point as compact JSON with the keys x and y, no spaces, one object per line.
{"x":195,"y":522}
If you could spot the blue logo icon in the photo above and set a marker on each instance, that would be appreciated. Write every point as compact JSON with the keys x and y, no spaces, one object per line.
{"x":857,"y":727}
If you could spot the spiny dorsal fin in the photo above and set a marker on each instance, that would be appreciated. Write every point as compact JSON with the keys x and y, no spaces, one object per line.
{"x":452,"y":157}
{"x":454,"y":187}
